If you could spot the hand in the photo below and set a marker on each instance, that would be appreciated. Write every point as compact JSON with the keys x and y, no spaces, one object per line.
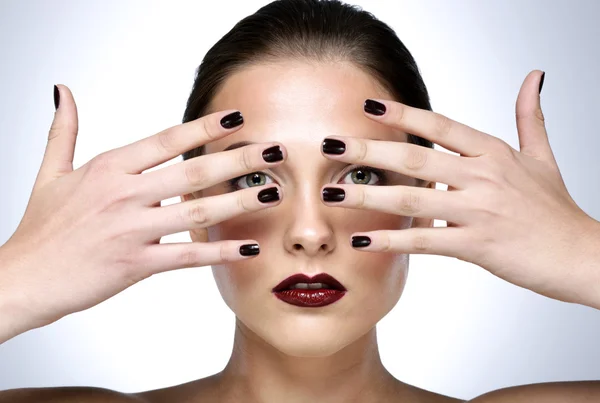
{"x":507,"y":211}
{"x":88,"y":234}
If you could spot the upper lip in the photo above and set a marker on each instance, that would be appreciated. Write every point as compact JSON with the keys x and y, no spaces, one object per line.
{"x":303,"y":278}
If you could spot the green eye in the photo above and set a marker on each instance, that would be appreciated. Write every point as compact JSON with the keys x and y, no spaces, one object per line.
{"x":364,"y":175}
{"x":251,"y":180}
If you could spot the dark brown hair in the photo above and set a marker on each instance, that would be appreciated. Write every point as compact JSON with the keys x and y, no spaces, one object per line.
{"x":319,"y":30}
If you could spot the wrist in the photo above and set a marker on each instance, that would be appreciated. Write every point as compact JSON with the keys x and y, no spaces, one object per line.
{"x":589,"y":251}
{"x":13,"y":317}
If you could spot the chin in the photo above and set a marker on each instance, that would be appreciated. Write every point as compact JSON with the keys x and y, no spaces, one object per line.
{"x":308,"y":335}
{"x":310,"y":340}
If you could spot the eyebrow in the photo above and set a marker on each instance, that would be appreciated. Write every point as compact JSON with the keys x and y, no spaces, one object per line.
{"x":238,"y":145}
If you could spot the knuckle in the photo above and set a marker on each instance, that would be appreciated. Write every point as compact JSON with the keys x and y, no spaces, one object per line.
{"x":416,"y":158}
{"x":245,"y":159}
{"x":421,"y":243}
{"x":166,"y":142}
{"x":209,"y":128}
{"x":409,"y":202}
{"x":500,"y":147}
{"x":242,"y":204}
{"x":223,"y":255}
{"x":198,"y":214}
{"x":100,"y":164}
{"x":539,"y":115}
{"x":121,"y":192}
{"x":188,"y":257}
{"x":361,"y":201}
{"x":443,"y":125}
{"x":488,"y":171}
{"x":386,"y":243}
{"x":196,"y":174}
{"x":363,"y":151}
{"x":54,"y":131}
{"x":397,"y":113}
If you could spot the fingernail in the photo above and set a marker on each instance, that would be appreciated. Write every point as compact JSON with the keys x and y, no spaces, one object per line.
{"x":374,"y":108}
{"x":250,"y":249}
{"x":542,"y":82}
{"x":360,"y":241}
{"x":272,"y":154}
{"x":232,"y":120}
{"x":333,"y":194}
{"x":56,"y":97}
{"x":332,"y":146}
{"x":268,"y":195}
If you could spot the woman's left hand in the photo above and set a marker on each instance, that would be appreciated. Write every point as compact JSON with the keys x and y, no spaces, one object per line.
{"x":507,"y":211}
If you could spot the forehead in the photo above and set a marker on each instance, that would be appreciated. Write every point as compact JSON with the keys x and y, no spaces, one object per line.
{"x":299,"y":103}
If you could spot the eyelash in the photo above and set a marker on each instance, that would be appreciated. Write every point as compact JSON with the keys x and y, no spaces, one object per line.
{"x":381,"y":174}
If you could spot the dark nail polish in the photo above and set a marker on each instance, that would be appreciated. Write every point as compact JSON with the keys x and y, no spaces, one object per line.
{"x":374,"y":108}
{"x":272,"y":154}
{"x":249,"y":249}
{"x":332,"y":146}
{"x":542,"y":82}
{"x":333,"y":194}
{"x":360,"y":241}
{"x":56,"y":97}
{"x":268,"y":195}
{"x":232,"y":120}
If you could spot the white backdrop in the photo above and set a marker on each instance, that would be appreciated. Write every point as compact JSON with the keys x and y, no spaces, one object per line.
{"x":457,"y":330}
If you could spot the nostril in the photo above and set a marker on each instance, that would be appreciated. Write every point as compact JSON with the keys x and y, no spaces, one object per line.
{"x":297,"y":246}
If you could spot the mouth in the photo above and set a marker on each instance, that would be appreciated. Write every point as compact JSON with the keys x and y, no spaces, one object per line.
{"x":304,"y":291}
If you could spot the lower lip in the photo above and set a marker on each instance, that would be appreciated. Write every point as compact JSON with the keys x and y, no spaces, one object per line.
{"x":310,"y":298}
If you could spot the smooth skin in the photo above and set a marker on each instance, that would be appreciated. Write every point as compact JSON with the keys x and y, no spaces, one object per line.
{"x":107,"y":218}
{"x":499,"y":200}
{"x":121,"y":200}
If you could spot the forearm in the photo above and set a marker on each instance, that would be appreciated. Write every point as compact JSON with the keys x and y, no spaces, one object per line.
{"x":13,"y":318}
{"x":587,"y":258}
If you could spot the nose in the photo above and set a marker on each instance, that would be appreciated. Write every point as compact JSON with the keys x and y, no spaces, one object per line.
{"x":310,"y":232}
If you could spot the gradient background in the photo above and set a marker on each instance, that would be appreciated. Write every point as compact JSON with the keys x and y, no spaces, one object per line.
{"x":457,"y":330}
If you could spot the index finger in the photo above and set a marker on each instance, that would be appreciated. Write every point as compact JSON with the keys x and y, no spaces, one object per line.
{"x":151,"y":151}
{"x":432,"y":126}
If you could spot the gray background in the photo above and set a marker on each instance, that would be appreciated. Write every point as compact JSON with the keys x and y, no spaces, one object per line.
{"x":457,"y":330}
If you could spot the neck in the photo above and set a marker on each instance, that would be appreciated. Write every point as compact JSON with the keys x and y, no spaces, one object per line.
{"x":257,"y":372}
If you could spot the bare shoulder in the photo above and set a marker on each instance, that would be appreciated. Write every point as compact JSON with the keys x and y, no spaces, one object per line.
{"x":67,"y":394}
{"x":412,"y":393}
{"x":551,"y":392}
{"x":198,"y":390}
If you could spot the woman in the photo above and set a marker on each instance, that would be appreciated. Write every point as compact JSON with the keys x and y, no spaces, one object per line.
{"x":293,"y":108}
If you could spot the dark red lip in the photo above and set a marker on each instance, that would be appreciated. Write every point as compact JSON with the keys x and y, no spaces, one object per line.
{"x":303,"y":278}
{"x":309,"y":298}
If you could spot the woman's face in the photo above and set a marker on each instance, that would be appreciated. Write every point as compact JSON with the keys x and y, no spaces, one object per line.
{"x":298,"y":104}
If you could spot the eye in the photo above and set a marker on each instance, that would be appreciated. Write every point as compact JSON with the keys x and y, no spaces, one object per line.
{"x":250,"y":180}
{"x":364,"y":175}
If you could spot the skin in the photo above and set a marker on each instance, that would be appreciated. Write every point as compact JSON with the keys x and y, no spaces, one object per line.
{"x":330,"y":359}
{"x":335,"y":357}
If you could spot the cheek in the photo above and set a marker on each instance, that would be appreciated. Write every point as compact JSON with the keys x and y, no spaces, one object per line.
{"x":240,"y":281}
{"x":378,"y":279}
{"x":382,"y":276}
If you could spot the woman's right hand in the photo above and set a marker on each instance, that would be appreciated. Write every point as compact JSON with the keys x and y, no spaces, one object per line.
{"x":90,"y":233}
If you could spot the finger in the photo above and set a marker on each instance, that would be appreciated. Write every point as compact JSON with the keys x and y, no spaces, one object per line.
{"x":408,"y":159}
{"x":208,"y":170}
{"x":533,"y":138}
{"x":441,"y":241}
{"x":207,"y":211}
{"x":408,"y":201}
{"x":433,"y":126}
{"x":151,"y":151}
{"x":60,"y":149}
{"x":172,"y":256}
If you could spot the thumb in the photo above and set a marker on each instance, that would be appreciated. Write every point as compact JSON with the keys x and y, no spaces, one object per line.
{"x":533,"y":138}
{"x":58,"y":157}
